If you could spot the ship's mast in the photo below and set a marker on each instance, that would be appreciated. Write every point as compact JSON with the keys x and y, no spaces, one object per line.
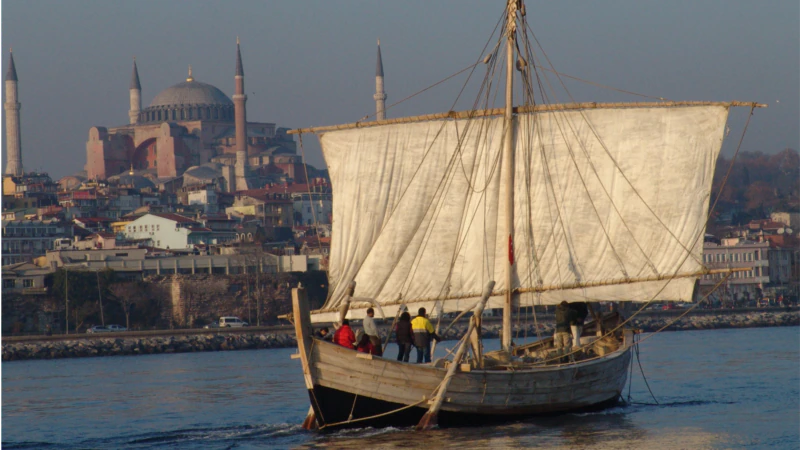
{"x":507,"y":171}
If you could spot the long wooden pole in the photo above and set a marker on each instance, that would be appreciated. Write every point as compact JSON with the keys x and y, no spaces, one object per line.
{"x":66,"y":299}
{"x":100,"y":299}
{"x":471,"y":114}
{"x":507,"y":181}
{"x":302,"y":327}
{"x":430,"y":419}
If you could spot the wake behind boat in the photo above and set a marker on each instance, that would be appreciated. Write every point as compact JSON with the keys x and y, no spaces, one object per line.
{"x":506,"y":208}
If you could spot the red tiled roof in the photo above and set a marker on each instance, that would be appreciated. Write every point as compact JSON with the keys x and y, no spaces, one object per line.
{"x":263,"y":195}
{"x":200,"y":230}
{"x":175,"y":217}
{"x":93,"y":219}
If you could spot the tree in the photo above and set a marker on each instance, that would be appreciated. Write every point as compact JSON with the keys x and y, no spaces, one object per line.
{"x":84,"y":289}
{"x":127,"y":295}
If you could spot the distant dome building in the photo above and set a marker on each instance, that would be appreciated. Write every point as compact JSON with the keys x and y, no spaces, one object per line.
{"x":186,"y":125}
{"x":132,"y":180}
{"x":189,"y":100}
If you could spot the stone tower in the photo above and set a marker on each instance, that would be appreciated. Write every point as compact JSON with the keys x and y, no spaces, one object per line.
{"x":380,"y":95}
{"x":136,"y":96}
{"x":240,"y":117}
{"x":13,"y":135}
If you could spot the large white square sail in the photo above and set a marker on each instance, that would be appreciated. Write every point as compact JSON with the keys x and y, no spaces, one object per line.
{"x":610,"y":201}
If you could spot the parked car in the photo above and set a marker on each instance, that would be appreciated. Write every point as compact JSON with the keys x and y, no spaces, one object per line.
{"x":212,"y":325}
{"x":97,"y":329}
{"x":116,"y":328}
{"x":231,"y":322}
{"x":668,"y":306}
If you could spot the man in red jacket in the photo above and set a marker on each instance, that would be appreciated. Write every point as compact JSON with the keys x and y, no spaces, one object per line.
{"x":344,"y":336}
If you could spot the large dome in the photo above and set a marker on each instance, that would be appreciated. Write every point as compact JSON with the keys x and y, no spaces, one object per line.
{"x":191,"y":93}
{"x":190,"y":100}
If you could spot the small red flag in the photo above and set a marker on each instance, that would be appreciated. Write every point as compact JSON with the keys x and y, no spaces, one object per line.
{"x":511,"y":249}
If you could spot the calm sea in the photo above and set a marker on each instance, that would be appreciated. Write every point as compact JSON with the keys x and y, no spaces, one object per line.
{"x":715,"y":389}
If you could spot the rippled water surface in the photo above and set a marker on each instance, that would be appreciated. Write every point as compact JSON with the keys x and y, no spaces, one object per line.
{"x":716,"y":389}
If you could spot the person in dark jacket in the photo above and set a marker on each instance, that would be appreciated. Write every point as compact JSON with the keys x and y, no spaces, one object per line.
{"x":404,"y":336}
{"x":324,"y":334}
{"x":564,"y":317}
{"x":344,"y":336}
{"x":581,"y":311}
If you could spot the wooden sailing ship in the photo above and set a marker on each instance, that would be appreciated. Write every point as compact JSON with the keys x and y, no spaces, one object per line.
{"x":505,"y":208}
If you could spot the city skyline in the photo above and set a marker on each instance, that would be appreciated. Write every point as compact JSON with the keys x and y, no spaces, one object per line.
{"x":313,"y":63}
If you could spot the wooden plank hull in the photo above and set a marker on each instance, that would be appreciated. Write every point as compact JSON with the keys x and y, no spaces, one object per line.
{"x":349,"y":390}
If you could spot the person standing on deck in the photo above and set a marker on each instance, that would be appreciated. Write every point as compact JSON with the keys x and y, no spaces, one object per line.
{"x":564,"y":316}
{"x":581,"y":311}
{"x":423,"y":333}
{"x":371,"y":330}
{"x":404,"y":335}
{"x":344,"y":336}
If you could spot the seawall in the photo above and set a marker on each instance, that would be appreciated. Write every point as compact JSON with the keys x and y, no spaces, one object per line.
{"x":180,"y":341}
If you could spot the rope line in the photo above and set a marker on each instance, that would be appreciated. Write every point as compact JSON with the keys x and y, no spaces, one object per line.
{"x":639,"y":361}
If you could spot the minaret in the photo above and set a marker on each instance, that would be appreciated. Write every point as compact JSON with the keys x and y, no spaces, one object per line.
{"x":13,"y":135}
{"x":380,"y":95}
{"x":136,"y":95}
{"x":240,"y":116}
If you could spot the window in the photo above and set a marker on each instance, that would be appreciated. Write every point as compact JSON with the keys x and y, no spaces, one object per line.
{"x":28,"y":283}
{"x":158,"y":227}
{"x":120,"y":254}
{"x":145,"y":228}
{"x":8,"y":284}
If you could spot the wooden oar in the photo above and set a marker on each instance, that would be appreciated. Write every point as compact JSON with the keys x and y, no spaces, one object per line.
{"x":431,"y":418}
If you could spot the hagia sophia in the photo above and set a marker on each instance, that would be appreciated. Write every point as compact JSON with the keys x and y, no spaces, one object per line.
{"x":191,"y":132}
{"x":195,"y":131}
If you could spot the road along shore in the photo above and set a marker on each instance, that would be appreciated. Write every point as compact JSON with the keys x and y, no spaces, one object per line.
{"x":180,"y":341}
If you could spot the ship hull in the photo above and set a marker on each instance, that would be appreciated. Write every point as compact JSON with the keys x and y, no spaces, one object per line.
{"x":351,"y":389}
{"x":332,"y":408}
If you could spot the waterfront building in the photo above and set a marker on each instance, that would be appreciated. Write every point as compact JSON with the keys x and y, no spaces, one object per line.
{"x":173,"y":231}
{"x":24,"y":240}
{"x":768,"y":267}
{"x":24,"y":278}
{"x":143,"y":262}
{"x":271,"y":210}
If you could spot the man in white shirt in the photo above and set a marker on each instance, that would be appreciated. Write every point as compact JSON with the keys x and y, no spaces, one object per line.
{"x":371,"y":330}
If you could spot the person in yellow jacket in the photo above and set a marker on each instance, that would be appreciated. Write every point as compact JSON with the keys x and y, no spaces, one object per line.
{"x":423,"y":333}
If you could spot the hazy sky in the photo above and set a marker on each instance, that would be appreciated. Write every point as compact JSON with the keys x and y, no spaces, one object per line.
{"x":311,"y":63}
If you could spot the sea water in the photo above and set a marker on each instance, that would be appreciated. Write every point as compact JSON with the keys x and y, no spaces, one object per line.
{"x":713,"y":389}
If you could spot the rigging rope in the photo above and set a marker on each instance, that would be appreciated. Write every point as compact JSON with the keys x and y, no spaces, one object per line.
{"x":310,"y":198}
{"x":612,"y":159}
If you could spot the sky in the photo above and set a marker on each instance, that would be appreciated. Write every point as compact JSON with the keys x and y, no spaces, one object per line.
{"x":312,"y":63}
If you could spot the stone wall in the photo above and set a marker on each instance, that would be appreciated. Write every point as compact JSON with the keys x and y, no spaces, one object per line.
{"x":184,"y":301}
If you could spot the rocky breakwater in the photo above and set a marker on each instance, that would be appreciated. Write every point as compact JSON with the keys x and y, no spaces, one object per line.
{"x":718,"y":319}
{"x":144,"y":345}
